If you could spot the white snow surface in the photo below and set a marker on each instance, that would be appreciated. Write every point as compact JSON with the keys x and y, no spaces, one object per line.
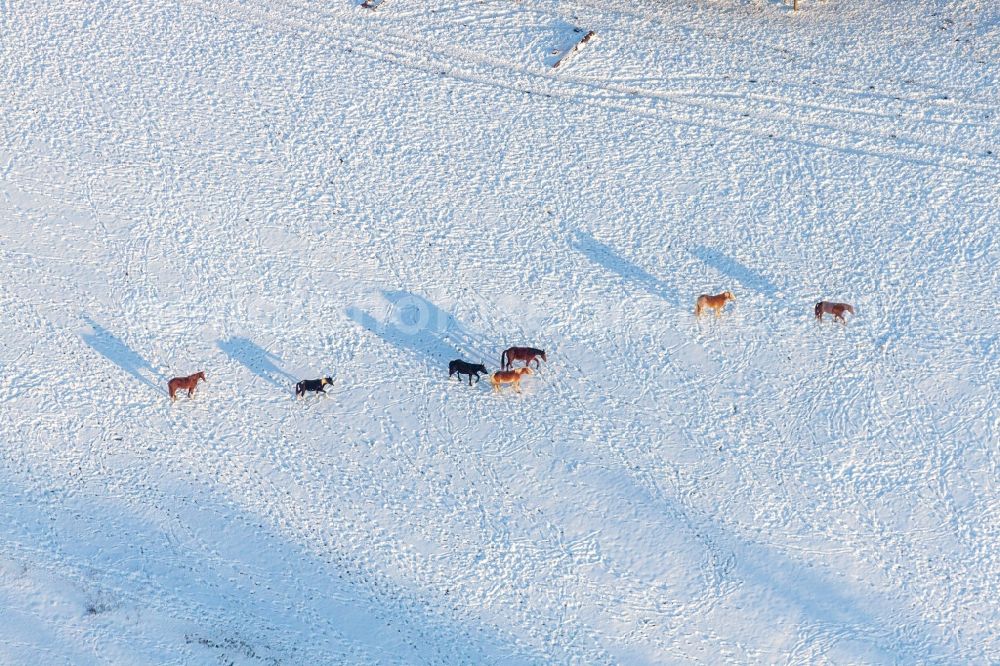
{"x":272,"y":190}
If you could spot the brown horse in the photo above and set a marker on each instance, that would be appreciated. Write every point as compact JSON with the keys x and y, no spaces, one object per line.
{"x":526,"y":354}
{"x":189,"y":383}
{"x":509,"y":377}
{"x":836,"y":309}
{"x":716,"y":302}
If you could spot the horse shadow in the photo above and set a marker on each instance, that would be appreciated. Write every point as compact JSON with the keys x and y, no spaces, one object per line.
{"x":256,"y":359}
{"x":415,"y":325}
{"x":746,"y":276}
{"x":112,"y":348}
{"x":604,"y":256}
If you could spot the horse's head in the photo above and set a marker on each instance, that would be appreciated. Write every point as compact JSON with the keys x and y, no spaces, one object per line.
{"x":201,"y":376}
{"x":481,"y":368}
{"x":525,"y":371}
{"x":543,"y":356}
{"x":326,"y":380}
{"x":729,"y":296}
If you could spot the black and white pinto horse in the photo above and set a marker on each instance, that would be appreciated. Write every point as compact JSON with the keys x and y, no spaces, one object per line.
{"x":317,"y":385}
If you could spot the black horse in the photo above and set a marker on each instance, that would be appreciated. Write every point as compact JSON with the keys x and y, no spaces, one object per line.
{"x":312,"y":385}
{"x":461,"y":367}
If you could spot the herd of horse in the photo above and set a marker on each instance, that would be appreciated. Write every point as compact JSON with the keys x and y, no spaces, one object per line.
{"x":507,"y":374}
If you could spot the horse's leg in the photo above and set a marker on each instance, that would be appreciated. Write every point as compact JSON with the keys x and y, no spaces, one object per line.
{"x":517,"y":387}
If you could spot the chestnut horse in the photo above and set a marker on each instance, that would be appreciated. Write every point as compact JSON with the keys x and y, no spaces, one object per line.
{"x":509,"y":377}
{"x":189,"y":383}
{"x":716,"y":302}
{"x":526,"y":354}
{"x":836,"y":309}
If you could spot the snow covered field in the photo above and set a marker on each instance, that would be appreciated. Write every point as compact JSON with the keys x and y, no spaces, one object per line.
{"x":271,"y":190}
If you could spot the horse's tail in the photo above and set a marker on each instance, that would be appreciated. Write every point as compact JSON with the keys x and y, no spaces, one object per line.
{"x":503,"y":359}
{"x":697,"y":307}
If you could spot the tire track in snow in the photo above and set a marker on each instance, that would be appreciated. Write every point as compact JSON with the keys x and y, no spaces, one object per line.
{"x":397,"y":48}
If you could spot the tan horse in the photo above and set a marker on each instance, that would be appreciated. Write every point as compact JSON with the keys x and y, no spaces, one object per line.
{"x":180,"y":383}
{"x":509,"y":377}
{"x":836,"y":309}
{"x":716,"y":302}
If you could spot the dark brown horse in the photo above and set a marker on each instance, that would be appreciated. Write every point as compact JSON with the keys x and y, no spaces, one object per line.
{"x":836,"y":309}
{"x":180,"y":383}
{"x":526,"y":354}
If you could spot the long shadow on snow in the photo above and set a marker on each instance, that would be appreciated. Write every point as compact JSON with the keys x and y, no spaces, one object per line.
{"x":604,"y":256}
{"x":829,"y":606}
{"x":112,"y":348}
{"x":256,"y":359}
{"x":416,"y":325}
{"x":749,"y":278}
{"x":241,"y":590}
{"x":823,"y":604}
